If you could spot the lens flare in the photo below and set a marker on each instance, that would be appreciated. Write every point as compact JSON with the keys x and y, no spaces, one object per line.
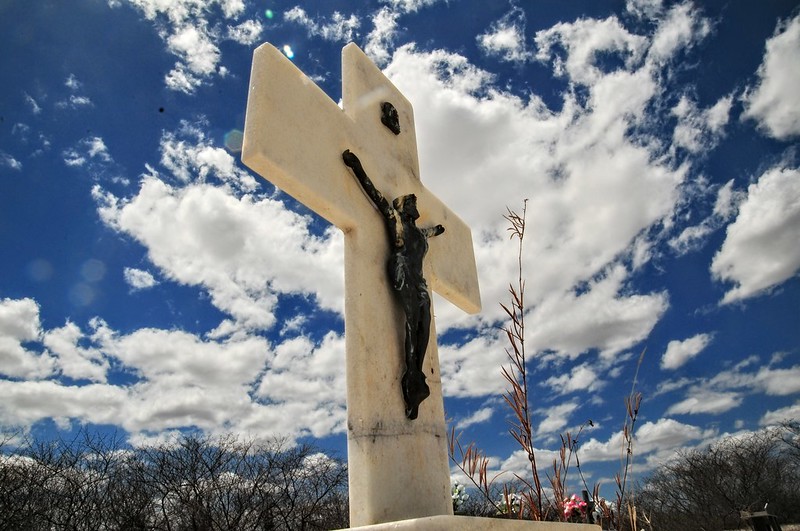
{"x":288,"y":51}
{"x":40,"y":270}
{"x":269,"y":14}
{"x":93,"y":270}
{"x":233,"y":140}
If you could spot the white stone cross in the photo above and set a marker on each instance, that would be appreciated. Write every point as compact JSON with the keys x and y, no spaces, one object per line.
{"x":294,"y":137}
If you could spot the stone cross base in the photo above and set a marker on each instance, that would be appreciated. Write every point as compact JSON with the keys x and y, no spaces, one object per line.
{"x":472,"y":523}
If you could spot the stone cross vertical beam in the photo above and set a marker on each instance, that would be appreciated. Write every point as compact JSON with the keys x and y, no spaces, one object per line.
{"x":294,"y":137}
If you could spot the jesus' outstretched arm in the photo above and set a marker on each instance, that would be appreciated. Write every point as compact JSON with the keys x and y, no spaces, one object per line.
{"x":386,"y":210}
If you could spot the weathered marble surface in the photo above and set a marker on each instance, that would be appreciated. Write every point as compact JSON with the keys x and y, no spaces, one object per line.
{"x":294,"y":137}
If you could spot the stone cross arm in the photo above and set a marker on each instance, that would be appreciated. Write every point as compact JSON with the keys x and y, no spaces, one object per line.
{"x":295,"y":135}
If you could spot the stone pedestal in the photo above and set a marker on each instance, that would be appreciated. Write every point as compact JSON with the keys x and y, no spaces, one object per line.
{"x":471,"y":523}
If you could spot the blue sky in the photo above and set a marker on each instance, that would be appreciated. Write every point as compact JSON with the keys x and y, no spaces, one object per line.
{"x":149,"y":282}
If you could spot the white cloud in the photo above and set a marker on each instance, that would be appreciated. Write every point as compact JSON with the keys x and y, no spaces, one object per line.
{"x":727,"y":389}
{"x":90,"y":149}
{"x":654,"y":441}
{"x":679,"y":352}
{"x":73,"y":360}
{"x":97,"y":148}
{"x":473,"y":369}
{"x":9,"y":161}
{"x":196,"y":48}
{"x":557,"y":417}
{"x":680,"y":29}
{"x":24,"y":403}
{"x":180,"y":79}
{"x":644,"y":8}
{"x":602,"y":318}
{"x":74,"y":101}
{"x":760,"y":249}
{"x":19,"y":325}
{"x":666,"y":436}
{"x":184,"y":27}
{"x":779,"y":382}
{"x":73,"y":158}
{"x":72,"y":83}
{"x":138,"y":279}
{"x":775,"y":102}
{"x":189,"y":156}
{"x":179,"y":380}
{"x":580,"y":378}
{"x":381,"y":39}
{"x":595,"y":193}
{"x":771,"y":418}
{"x":705,"y":401}
{"x":506,"y":37}
{"x":481,"y":415}
{"x":246,"y":33}
{"x":35,"y":108}
{"x":700,"y":131}
{"x":584,"y":40}
{"x":726,"y":206}
{"x":410,"y":6}
{"x":338,"y":28}
{"x":242,"y":249}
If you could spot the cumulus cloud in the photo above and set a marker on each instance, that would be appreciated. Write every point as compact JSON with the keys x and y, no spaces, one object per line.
{"x":93,"y":154}
{"x":74,"y":361}
{"x":338,"y":28}
{"x":184,"y":27}
{"x":72,"y":83}
{"x":34,"y":105}
{"x":595,"y":196}
{"x":241,"y":248}
{"x":679,"y":352}
{"x":729,"y":388}
{"x":702,"y":401}
{"x":644,"y":8}
{"x":410,"y":6}
{"x":190,"y":156}
{"x":556,"y":418}
{"x":580,"y":378}
{"x":584,"y":41}
{"x":196,"y":49}
{"x":246,"y":33}
{"x":381,"y":39}
{"x":20,"y":325}
{"x":774,"y":102}
{"x":760,"y":249}
{"x":481,"y":415}
{"x":139,"y":279}
{"x":700,"y":130}
{"x":9,"y":161}
{"x":726,"y":206}
{"x":506,"y":37}
{"x":176,"y":379}
{"x":777,"y":416}
{"x":655,"y":442}
{"x":680,"y":28}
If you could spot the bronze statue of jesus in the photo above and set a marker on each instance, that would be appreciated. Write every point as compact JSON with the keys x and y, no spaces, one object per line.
{"x":408,"y":247}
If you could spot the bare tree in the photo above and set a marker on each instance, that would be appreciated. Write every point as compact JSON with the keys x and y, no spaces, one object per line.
{"x":707,"y":489}
{"x":189,"y":483}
